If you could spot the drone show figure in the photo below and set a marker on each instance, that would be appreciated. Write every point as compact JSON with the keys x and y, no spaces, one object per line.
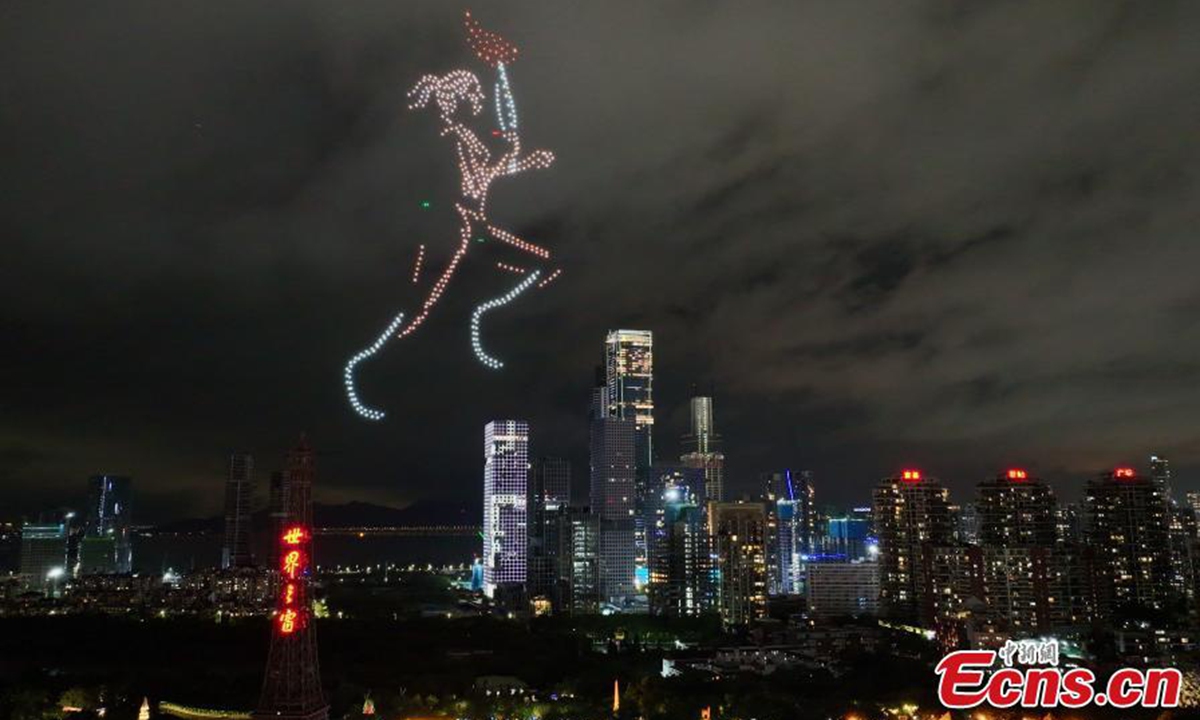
{"x":458,"y":96}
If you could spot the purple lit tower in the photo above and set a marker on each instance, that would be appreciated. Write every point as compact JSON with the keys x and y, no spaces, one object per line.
{"x":505,"y":487}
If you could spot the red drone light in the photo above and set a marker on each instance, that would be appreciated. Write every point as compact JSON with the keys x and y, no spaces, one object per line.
{"x":1016,"y":474}
{"x":489,"y":47}
{"x":910,"y":475}
{"x":1123,"y":472}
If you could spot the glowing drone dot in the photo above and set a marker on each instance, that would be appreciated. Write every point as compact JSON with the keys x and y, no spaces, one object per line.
{"x":426,"y":204}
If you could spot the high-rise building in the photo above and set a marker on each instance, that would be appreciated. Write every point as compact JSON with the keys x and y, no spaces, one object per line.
{"x":843,"y":588}
{"x":785,"y":547}
{"x":1160,"y":474}
{"x":1184,"y":553}
{"x":43,"y":554}
{"x":505,"y":490}
{"x":790,"y":501}
{"x":1020,"y":560}
{"x":277,"y":510}
{"x":1016,"y":510}
{"x":681,"y":573}
{"x":239,"y":494}
{"x":848,"y":536}
{"x":549,"y":490}
{"x":1068,"y":524}
{"x":1193,"y":501}
{"x":578,"y":581}
{"x":966,"y":524}
{"x":702,"y":447}
{"x":629,"y":375}
{"x":629,"y":386}
{"x":739,"y":548}
{"x":911,"y":513}
{"x":613,"y":471}
{"x":1128,"y":529}
{"x":107,"y":543}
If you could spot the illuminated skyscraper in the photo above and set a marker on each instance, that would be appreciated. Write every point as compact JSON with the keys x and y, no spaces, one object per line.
{"x":505,"y":488}
{"x":911,"y":513}
{"x":43,"y":554}
{"x":681,"y":569}
{"x":702,"y":447}
{"x":1025,"y":573}
{"x":107,"y":543}
{"x":789,"y":498}
{"x":578,"y":582}
{"x":239,"y":493}
{"x":1160,"y":473}
{"x":849,"y":536}
{"x":739,"y":540}
{"x":1015,"y":509}
{"x":613,"y":472}
{"x":549,"y":490}
{"x":1127,"y":527}
{"x":629,"y":390}
{"x":629,"y":373}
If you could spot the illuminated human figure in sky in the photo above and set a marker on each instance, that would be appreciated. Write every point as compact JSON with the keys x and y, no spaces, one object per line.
{"x":455,"y":96}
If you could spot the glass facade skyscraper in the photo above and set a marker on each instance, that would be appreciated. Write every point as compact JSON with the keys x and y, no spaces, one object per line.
{"x":702,"y":447}
{"x":789,"y":498}
{"x":43,"y":553}
{"x":239,"y":493}
{"x":612,"y":445}
{"x":505,"y":489}
{"x":107,"y":543}
{"x":549,"y":491}
{"x":629,"y":381}
{"x":629,"y":393}
{"x":681,"y":568}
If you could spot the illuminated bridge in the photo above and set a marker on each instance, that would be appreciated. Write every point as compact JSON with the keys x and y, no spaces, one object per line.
{"x":403,"y":531}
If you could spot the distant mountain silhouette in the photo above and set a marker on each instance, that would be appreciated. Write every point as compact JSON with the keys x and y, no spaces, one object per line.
{"x":352,"y":514}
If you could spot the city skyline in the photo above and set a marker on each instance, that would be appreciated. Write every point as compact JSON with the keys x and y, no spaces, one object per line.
{"x":904,"y":259}
{"x":830,"y":360}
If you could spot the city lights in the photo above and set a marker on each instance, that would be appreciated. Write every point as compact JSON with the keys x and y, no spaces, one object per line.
{"x":458,"y":96}
{"x":910,"y":475}
{"x":1124,"y":472}
{"x":1016,"y":474}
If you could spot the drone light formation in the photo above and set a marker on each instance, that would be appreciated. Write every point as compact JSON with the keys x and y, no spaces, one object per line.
{"x":501,"y":301}
{"x":458,"y":96}
{"x":416,"y":273}
{"x":368,"y":412}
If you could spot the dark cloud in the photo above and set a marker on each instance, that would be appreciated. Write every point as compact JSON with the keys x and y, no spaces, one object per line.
{"x":914,"y":231}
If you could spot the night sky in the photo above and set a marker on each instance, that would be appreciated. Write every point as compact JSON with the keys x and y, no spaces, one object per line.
{"x":960,"y":235}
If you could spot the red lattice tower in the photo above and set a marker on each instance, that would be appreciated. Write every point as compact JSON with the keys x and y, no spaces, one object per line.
{"x":291,"y":688}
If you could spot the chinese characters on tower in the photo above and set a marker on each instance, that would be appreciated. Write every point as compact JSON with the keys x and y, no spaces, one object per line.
{"x":293,"y":570}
